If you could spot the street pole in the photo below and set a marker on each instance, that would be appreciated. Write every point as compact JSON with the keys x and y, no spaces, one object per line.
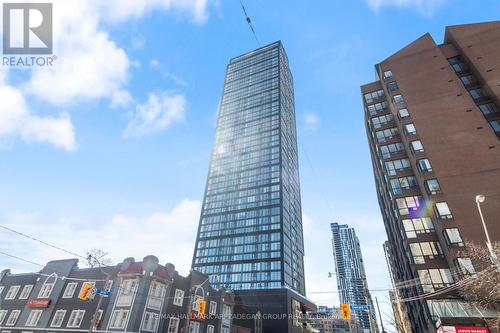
{"x":380,"y":316}
{"x":94,"y":317}
{"x":480,"y":199}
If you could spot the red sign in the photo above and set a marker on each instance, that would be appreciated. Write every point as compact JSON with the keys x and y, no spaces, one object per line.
{"x":38,"y":303}
{"x":472,"y":329}
{"x":463,"y":329}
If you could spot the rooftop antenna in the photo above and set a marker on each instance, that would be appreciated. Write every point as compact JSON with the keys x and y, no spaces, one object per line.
{"x":249,"y":21}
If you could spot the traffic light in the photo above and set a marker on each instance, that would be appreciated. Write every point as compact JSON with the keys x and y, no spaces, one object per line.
{"x":345,"y":311}
{"x":202,"y":305}
{"x":86,"y":291}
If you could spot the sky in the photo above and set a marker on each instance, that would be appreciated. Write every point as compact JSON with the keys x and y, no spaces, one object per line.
{"x":110,"y":148}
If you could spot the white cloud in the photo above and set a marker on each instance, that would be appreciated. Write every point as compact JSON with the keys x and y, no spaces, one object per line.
{"x":425,"y":7}
{"x":17,"y":121}
{"x":154,"y":63}
{"x":120,"y":10}
{"x":157,"y":114}
{"x":90,"y":66}
{"x":169,"y":235}
{"x":311,"y":120}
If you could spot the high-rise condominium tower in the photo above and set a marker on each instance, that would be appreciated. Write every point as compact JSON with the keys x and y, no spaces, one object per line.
{"x":351,"y":276}
{"x":433,"y":125}
{"x":250,"y":231}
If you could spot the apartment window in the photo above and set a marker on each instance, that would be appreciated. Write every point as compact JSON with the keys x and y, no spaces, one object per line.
{"x":392,"y":167}
{"x":380,"y":121}
{"x":11,"y":321}
{"x":12,"y":293}
{"x":70,"y":290}
{"x":156,"y":295}
{"x":399,"y":185}
{"x":453,"y":237}
{"x":443,"y":211}
{"x":383,"y":136}
{"x":178,"y":297}
{"x":431,"y":279}
{"x":421,"y":225}
{"x":194,"y":327}
{"x":3,"y":313}
{"x":75,"y":318}
{"x":410,"y":129}
{"x":495,"y":124}
{"x":458,"y":65}
{"x":488,"y":108}
{"x":196,"y":302}
{"x":425,"y":250}
{"x":424,"y":165}
{"x":58,"y":318}
{"x":173,"y":325}
{"x":468,"y":80}
{"x":26,"y":291}
{"x":118,"y":319}
{"x":387,"y":74}
{"x":370,"y":97}
{"x":391,"y":149}
{"x":127,"y":292}
{"x":46,"y":290}
{"x":398,"y":99}
{"x":432,"y":186}
{"x":150,"y":322}
{"x":417,"y":146}
{"x":108,"y":285}
{"x":465,"y":266}
{"x":210,"y":329}
{"x":213,"y":308}
{"x":34,"y":317}
{"x":477,"y":93}
{"x":392,"y":86}
{"x":403,"y":113}
{"x":410,"y":205}
{"x":373,"y":109}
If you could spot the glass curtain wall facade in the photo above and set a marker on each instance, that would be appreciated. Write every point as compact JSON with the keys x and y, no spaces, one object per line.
{"x":250,"y":231}
{"x":351,"y":276}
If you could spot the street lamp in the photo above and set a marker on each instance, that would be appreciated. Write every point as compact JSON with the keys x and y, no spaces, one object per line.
{"x":480,"y":198}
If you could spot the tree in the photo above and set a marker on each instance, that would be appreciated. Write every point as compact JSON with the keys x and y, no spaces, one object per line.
{"x":484,"y":291}
{"x":97,"y":257}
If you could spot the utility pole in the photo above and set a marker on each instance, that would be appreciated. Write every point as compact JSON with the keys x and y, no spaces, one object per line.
{"x":480,"y":198}
{"x":380,"y":316}
{"x":94,"y":316}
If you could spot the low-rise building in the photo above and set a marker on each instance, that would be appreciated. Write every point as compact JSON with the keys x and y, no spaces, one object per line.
{"x":137,"y":297}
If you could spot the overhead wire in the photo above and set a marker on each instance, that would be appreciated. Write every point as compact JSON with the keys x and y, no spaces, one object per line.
{"x":249,"y":22}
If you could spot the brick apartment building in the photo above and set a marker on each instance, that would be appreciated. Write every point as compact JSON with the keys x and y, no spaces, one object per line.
{"x":433,"y":126}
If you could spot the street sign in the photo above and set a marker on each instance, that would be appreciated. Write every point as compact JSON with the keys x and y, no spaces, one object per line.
{"x":345,"y":311}
{"x":92,"y":293}
{"x":360,"y":307}
{"x":103,"y":292}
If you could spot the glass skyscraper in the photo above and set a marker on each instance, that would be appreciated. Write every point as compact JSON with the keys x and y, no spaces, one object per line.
{"x":250,"y":231}
{"x":351,"y":276}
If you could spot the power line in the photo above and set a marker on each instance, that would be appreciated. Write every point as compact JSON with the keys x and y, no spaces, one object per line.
{"x":249,"y":21}
{"x":43,"y":242}
{"x":21,"y":259}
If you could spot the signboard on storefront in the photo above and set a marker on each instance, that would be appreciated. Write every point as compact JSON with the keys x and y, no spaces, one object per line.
{"x":463,"y":329}
{"x":38,"y":303}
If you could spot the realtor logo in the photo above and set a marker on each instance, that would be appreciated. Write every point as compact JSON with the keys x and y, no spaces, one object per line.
{"x":27,"y":28}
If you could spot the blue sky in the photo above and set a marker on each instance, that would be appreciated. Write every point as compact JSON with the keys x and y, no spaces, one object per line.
{"x":110,"y":149}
